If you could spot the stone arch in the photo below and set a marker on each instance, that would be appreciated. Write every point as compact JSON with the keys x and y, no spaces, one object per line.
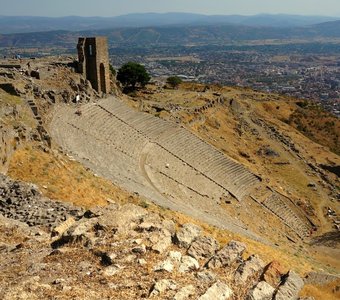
{"x":102,"y":78}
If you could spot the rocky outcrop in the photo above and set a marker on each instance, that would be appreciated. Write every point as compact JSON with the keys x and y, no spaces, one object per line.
{"x":114,"y":252}
{"x":290,"y":288}
{"x":228,"y":255}
{"x":218,"y":291}
{"x":262,"y":291}
{"x":186,"y":235}
{"x":24,"y":202}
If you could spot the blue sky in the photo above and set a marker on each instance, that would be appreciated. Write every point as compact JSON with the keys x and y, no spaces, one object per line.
{"x":114,"y":7}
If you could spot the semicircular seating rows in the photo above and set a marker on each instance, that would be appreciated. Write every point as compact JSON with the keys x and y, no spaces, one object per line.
{"x":117,"y":136}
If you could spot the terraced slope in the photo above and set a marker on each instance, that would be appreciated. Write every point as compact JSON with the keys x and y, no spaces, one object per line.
{"x":153,"y":157}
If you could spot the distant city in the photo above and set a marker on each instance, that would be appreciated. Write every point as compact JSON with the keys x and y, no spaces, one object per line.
{"x":304,"y":71}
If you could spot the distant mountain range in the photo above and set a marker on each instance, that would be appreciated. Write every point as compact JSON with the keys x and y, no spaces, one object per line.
{"x":19,"y":24}
{"x":207,"y":34}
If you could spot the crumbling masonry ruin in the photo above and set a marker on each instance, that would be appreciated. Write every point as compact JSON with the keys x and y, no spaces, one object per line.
{"x":93,"y":59}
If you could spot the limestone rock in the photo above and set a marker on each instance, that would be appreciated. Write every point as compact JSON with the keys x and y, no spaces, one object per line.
{"x":227,"y":255}
{"x":175,"y":256}
{"x":249,"y":268}
{"x":162,"y":241}
{"x":166,"y":265}
{"x":161,"y":286}
{"x":112,"y":270}
{"x":61,"y":228}
{"x":188,"y":264}
{"x":185,"y":292}
{"x":262,"y":291}
{"x":203,"y":247}
{"x":150,"y":222}
{"x":218,"y":291}
{"x":206,"y":276}
{"x":170,"y":226}
{"x":78,"y":232}
{"x":290,"y":288}
{"x":273,"y":273}
{"x":185,"y":236}
{"x":122,"y":219}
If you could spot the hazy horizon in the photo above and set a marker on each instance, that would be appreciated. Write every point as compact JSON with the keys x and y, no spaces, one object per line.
{"x":111,"y":8}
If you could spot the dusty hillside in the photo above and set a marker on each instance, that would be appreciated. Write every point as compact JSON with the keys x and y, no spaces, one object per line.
{"x":259,"y":131}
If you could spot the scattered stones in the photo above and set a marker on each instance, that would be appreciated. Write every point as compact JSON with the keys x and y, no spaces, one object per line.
{"x":185,"y":236}
{"x":218,"y":291}
{"x":262,"y":291}
{"x":203,"y":247}
{"x":119,"y":236}
{"x":290,"y":288}
{"x":227,"y":255}
{"x":188,"y":264}
{"x":24,"y":203}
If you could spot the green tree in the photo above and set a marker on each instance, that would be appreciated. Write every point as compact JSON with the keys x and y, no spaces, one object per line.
{"x":174,"y":81}
{"x":131,"y":74}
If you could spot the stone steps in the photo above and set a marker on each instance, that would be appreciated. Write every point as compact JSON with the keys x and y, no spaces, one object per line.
{"x":285,"y":213}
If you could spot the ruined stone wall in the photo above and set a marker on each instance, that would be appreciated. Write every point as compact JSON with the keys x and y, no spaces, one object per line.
{"x":94,"y":62}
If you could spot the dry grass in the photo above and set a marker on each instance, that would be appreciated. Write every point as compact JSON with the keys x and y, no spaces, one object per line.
{"x":330,"y":291}
{"x":24,"y":115}
{"x":63,"y":179}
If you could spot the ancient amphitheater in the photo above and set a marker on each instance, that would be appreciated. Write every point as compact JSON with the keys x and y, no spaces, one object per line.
{"x":160,"y":160}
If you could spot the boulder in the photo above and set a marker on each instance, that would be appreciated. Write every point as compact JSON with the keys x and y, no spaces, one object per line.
{"x":175,"y":256}
{"x":290,"y":288}
{"x":218,"y":291}
{"x":187,"y":234}
{"x":79,"y":232}
{"x":185,"y":292}
{"x":248,"y":269}
{"x":161,"y":241}
{"x":188,"y":264}
{"x":112,"y":270}
{"x":206,"y":276}
{"x":61,"y":228}
{"x":203,"y":247}
{"x":227,"y":255}
{"x":161,"y":286}
{"x":166,"y":265}
{"x":122,"y":219}
{"x":262,"y":291}
{"x":273,"y":273}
